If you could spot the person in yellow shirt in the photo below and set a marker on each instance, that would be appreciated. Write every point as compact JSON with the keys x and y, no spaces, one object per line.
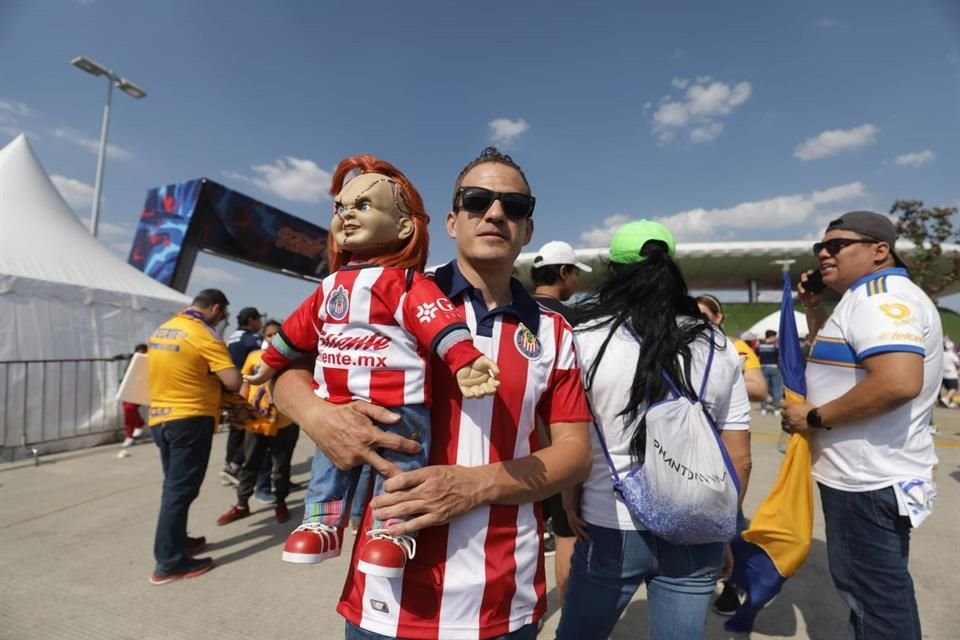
{"x":267,"y":431}
{"x":188,"y":367}
{"x":752,"y":375}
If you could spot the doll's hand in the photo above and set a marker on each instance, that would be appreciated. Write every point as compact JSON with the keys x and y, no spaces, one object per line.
{"x":478,"y":379}
{"x":261,"y":374}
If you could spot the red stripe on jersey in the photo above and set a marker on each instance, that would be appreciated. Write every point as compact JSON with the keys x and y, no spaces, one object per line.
{"x":386,"y":387}
{"x":336,"y":381}
{"x":501,"y":543}
{"x":385,"y":298}
{"x":346,"y":278}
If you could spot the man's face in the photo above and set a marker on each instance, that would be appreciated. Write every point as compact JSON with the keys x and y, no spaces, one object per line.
{"x":255,"y":325}
{"x":366,"y":219}
{"x":490,"y":238}
{"x":845,"y":265}
{"x":570,"y":281}
{"x":216,"y":314}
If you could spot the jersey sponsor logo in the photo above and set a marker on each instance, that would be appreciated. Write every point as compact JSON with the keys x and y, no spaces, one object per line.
{"x":338,"y":304}
{"x":527,"y":343}
{"x":896,"y":311}
{"x":370,"y":342}
{"x":351,"y":360}
{"x":379,"y":605}
{"x":427,"y":311}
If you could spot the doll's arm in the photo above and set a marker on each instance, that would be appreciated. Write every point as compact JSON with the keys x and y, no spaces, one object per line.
{"x":261,"y":374}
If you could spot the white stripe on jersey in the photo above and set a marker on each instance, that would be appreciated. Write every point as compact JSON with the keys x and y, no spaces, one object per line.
{"x":358,"y":378}
{"x":386,"y":594}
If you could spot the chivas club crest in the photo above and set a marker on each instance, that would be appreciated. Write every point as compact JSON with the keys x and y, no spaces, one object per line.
{"x":338,"y":304}
{"x":527,"y":343}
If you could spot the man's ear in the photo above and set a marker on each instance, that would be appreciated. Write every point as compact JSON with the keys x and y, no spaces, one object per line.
{"x":529,"y":232}
{"x":405,"y":227}
{"x":451,"y":224}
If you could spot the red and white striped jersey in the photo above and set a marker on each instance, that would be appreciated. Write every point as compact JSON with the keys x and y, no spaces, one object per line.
{"x":481,"y":575}
{"x":372,"y":329}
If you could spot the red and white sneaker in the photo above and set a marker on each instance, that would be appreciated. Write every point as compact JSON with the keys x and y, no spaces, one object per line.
{"x":385,"y":555}
{"x":311,"y":543}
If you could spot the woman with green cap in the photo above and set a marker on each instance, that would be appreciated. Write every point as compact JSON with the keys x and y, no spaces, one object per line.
{"x":639,"y":322}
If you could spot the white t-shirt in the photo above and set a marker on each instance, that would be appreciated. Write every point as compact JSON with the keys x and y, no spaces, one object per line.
{"x":880,"y":313}
{"x":725,"y":400}
{"x":951,"y":363}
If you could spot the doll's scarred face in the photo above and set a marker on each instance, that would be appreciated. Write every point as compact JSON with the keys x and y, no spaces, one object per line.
{"x":367,"y":220}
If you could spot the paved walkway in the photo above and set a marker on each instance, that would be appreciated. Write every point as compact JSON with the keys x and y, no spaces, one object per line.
{"x":76,"y":537}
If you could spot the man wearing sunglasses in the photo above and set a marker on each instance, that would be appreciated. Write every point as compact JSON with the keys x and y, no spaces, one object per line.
{"x":478,"y":570}
{"x":872,"y":380}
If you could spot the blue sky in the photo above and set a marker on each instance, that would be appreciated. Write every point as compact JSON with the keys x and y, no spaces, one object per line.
{"x":730,"y":120}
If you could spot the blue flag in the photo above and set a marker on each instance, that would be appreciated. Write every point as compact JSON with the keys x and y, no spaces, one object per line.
{"x":778,"y":540}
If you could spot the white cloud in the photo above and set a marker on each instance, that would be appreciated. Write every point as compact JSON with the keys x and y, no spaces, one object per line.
{"x":826,"y":23}
{"x":505,"y":131}
{"x":211,"y":276}
{"x":771,"y":213}
{"x":16,"y":109}
{"x":90,"y":144}
{"x":10,"y":115}
{"x":707,"y":132}
{"x":78,"y":195}
{"x":916,"y":159}
{"x":702,"y":105}
{"x":830,"y":143}
{"x":600,"y":236}
{"x":290,"y":178}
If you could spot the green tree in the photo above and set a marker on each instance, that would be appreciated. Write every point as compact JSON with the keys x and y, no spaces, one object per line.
{"x":929,"y":230}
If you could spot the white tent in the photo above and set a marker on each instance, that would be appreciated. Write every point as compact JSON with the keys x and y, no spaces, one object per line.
{"x":772,"y":322}
{"x":63,"y":296}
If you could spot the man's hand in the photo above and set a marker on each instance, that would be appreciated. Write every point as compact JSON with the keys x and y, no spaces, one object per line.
{"x":478,"y":379}
{"x":571,"y":506}
{"x":794,"y":417}
{"x":430,"y":496}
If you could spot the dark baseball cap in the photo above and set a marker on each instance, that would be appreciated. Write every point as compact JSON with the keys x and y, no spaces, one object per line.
{"x":247,"y":314}
{"x":870,"y":224}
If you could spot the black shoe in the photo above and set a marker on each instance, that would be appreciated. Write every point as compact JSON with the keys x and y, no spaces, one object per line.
{"x":228,"y":476}
{"x":549,"y":545}
{"x":728,"y":601}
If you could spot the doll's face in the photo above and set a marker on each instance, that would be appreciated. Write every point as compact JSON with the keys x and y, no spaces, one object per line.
{"x":366,"y":219}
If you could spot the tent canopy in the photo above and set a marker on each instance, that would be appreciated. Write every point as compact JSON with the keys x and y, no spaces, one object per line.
{"x":772,"y":323}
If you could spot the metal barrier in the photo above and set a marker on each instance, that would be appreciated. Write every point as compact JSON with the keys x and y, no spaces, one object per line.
{"x":58,"y":404}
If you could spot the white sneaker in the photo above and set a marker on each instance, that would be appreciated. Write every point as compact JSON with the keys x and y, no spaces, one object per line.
{"x":127,"y":442}
{"x":137,"y":433}
{"x":763,"y":412}
{"x":777,"y":413}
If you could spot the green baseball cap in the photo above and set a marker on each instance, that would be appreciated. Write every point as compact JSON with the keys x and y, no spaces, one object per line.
{"x":629,"y":239}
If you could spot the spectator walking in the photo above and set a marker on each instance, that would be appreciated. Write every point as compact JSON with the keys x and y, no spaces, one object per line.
{"x":132,"y":419}
{"x":768,"y":350}
{"x":240,"y":343}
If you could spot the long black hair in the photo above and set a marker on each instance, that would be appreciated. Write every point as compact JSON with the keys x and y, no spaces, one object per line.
{"x":648,"y":297}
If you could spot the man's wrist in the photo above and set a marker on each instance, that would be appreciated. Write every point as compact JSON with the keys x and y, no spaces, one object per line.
{"x":815,"y":420}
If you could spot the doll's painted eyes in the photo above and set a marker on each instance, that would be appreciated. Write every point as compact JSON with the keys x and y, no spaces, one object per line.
{"x":364,"y":207}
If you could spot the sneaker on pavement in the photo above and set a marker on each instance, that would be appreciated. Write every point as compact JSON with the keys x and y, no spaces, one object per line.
{"x":281,"y":512}
{"x":311,"y":543}
{"x":229,"y":476}
{"x":265,"y":498}
{"x":233,"y":513}
{"x":195,"y":545}
{"x":137,"y":432}
{"x":127,"y":442}
{"x":385,"y":555}
{"x":191,"y":568}
{"x":728,"y":601}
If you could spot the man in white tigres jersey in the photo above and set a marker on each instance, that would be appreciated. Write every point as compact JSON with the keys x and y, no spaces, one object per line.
{"x":478,"y":571}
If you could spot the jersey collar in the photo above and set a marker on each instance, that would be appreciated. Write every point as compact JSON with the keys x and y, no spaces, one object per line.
{"x":453,"y":283}
{"x":889,"y":271}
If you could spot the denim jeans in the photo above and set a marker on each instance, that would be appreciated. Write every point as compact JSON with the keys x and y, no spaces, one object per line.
{"x":361,"y":495}
{"x":774,"y":380}
{"x":353,"y":632}
{"x":184,"y":453}
{"x":331,"y":491}
{"x":608,"y":569}
{"x":868,"y":547}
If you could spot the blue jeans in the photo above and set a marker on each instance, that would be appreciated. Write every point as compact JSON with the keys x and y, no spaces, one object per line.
{"x":868,"y":547}
{"x":775,"y":384}
{"x":353,"y":632}
{"x":184,"y":453}
{"x":331,"y":490}
{"x":361,"y":495}
{"x":608,"y":569}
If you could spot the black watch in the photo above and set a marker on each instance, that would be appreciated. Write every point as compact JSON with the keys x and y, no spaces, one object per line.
{"x":814,"y":421}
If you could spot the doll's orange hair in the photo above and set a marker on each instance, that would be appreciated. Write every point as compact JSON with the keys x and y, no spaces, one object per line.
{"x":414,"y":252}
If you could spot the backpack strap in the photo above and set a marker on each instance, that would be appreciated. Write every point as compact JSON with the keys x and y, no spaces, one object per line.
{"x":706,"y":371}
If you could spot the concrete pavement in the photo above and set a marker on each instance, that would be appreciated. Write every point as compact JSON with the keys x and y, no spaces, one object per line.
{"x":76,"y":539}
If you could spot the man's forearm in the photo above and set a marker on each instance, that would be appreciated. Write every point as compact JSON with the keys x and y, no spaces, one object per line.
{"x":540,"y":475}
{"x":864,"y":401}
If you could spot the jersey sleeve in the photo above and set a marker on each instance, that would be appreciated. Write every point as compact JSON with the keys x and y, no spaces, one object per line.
{"x":727,"y":393}
{"x":751,"y":361}
{"x":565,"y":399}
{"x":886,"y":322}
{"x":436,"y":323}
{"x":299,"y":334}
{"x":213,"y":350}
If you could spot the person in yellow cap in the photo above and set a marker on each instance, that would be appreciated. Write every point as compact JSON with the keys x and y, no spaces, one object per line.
{"x":640,"y":323}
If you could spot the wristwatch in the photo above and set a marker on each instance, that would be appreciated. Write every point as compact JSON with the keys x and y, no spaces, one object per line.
{"x":814,"y":421}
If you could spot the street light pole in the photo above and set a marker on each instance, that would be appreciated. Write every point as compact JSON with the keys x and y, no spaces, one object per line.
{"x":132,"y":90}
{"x":98,"y":184}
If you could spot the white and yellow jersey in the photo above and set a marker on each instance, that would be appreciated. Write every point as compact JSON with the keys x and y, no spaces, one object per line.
{"x":883,"y":312}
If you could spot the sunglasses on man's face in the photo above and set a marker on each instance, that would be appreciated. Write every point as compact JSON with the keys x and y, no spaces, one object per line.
{"x":516,"y":206}
{"x":835,"y":246}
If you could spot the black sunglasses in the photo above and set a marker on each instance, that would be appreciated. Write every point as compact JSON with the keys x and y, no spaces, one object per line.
{"x":516,"y":206}
{"x":833,"y":247}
